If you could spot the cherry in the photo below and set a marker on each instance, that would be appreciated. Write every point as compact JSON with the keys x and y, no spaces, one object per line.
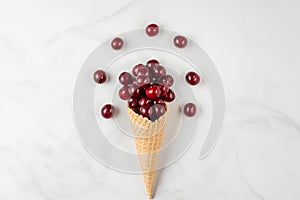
{"x":107,"y":111}
{"x":158,"y":71}
{"x":152,"y":63}
{"x":138,"y":92}
{"x":170,"y":96}
{"x":192,"y":78}
{"x":180,"y":41}
{"x":99,"y":76}
{"x":190,"y":109}
{"x":158,"y":101}
{"x":117,"y":43}
{"x":124,"y":93}
{"x":142,"y":80}
{"x":159,"y":109}
{"x":168,"y":80}
{"x":164,"y":89}
{"x":155,"y":80}
{"x":146,"y":111}
{"x":125,"y":78}
{"x":145,"y":102}
{"x":153,"y":92}
{"x":133,"y":103}
{"x":143,"y":71}
{"x":132,"y":87}
{"x":136,"y":67}
{"x":152,"y":30}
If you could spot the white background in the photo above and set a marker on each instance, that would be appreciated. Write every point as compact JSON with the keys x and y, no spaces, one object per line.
{"x":255,"y":45}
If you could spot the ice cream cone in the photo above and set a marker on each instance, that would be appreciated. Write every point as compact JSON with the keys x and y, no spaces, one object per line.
{"x":148,"y":140}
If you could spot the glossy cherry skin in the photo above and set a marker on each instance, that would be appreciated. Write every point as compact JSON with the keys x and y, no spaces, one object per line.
{"x":153,"y":92}
{"x":133,"y":103}
{"x":168,"y":80}
{"x":170,"y":96}
{"x":158,"y":71}
{"x":146,"y":111}
{"x":136,"y":67}
{"x":144,"y":101}
{"x":192,"y":78}
{"x":99,"y":76}
{"x":180,"y":41}
{"x":159,"y":109}
{"x":124,"y":93}
{"x":143,"y":71}
{"x":158,"y":101}
{"x":152,"y":30}
{"x":152,"y":63}
{"x":107,"y":111}
{"x":117,"y":43}
{"x":142,"y":80}
{"x":125,"y":78}
{"x":164,"y":89}
{"x":190,"y":109}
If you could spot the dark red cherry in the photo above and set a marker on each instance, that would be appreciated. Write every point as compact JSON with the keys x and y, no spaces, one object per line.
{"x":142,"y":80}
{"x":138,"y":92}
{"x":125,"y":78}
{"x":192,"y":78}
{"x":124,"y":93}
{"x":107,"y":111}
{"x":158,"y":71}
{"x":152,"y":30}
{"x":164,"y":89}
{"x":117,"y":43}
{"x":180,"y":41}
{"x":146,"y":111}
{"x":170,"y":96}
{"x":190,"y":109}
{"x":143,"y":71}
{"x":168,"y":80}
{"x":136,"y":67}
{"x":99,"y":76}
{"x":158,"y":101}
{"x":153,"y":92}
{"x":144,"y":101}
{"x":133,"y":103}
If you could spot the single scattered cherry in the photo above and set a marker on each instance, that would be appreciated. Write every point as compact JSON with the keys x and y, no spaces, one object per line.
{"x":107,"y":111}
{"x":170,"y":96}
{"x":117,"y":43}
{"x":152,"y":30}
{"x":168,"y":80}
{"x":192,"y":78}
{"x":190,"y":109}
{"x":125,"y":78}
{"x":180,"y":41}
{"x":124,"y":93}
{"x":136,"y":68}
{"x":153,"y":92}
{"x":99,"y":76}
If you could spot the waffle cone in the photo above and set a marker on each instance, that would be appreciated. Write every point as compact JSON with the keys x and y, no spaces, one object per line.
{"x":148,"y":140}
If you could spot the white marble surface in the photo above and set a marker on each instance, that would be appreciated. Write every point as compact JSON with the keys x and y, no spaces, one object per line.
{"x":255,"y":45}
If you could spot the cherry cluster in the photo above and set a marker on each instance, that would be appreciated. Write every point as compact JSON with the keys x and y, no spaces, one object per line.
{"x":147,"y":89}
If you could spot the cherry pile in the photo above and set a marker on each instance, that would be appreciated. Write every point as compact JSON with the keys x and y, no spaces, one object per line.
{"x":147,"y":89}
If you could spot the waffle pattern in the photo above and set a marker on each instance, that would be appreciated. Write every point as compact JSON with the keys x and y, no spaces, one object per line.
{"x":148,"y":140}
